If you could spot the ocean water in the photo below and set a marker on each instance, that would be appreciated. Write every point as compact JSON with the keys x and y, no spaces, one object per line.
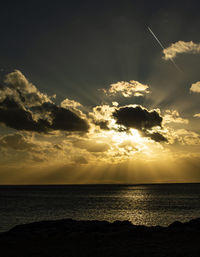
{"x":141,"y":204}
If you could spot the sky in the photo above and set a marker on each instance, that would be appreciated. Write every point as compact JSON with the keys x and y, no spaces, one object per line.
{"x":99,"y":92}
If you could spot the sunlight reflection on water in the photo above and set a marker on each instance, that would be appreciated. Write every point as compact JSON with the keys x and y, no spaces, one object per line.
{"x":141,"y":204}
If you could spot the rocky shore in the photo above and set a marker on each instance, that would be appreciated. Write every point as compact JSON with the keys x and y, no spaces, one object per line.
{"x":72,"y":238}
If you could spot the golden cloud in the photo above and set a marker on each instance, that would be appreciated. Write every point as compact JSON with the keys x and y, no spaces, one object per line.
{"x":183,"y":136}
{"x":179,"y":48}
{"x":67,"y":103}
{"x":195,"y":88}
{"x":173,"y":116}
{"x":17,"y":86}
{"x":197,"y":115}
{"x":128,"y":89}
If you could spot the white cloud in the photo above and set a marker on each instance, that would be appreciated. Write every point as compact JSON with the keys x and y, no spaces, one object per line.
{"x":195,"y":87}
{"x":179,"y":48}
{"x":127,"y":89}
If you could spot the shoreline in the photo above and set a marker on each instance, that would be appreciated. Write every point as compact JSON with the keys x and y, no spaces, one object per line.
{"x":73,"y":238}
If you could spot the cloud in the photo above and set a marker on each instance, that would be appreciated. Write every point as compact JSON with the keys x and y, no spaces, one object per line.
{"x":102,"y":112}
{"x":24,"y":107}
{"x":186,"y":137}
{"x":14,"y":116}
{"x":122,"y":119}
{"x":101,"y":116}
{"x":91,"y":145}
{"x":23,"y":91}
{"x":115,"y":103}
{"x":16,"y":142}
{"x":195,"y":88}
{"x":27,"y":148}
{"x":197,"y":115}
{"x":63,"y":119}
{"x":156,"y":136}
{"x":36,"y":158}
{"x":140,"y":118}
{"x":102,"y":124}
{"x":80,"y":160}
{"x":179,"y":48}
{"x":128,"y":145}
{"x":67,"y":103}
{"x":183,"y":136}
{"x":73,"y":106}
{"x":173,"y":116}
{"x":127,"y":89}
{"x":137,"y":117}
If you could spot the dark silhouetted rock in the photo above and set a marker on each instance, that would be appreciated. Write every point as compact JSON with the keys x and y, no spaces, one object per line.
{"x":101,"y":239}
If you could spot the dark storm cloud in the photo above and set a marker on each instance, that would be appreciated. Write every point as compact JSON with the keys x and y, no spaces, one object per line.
{"x":63,"y":119}
{"x":24,"y":107}
{"x":67,"y":120}
{"x":14,"y":116}
{"x":141,"y":119}
{"x":137,"y":117}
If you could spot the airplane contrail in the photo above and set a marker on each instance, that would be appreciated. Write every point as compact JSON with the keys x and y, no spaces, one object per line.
{"x":163,"y":48}
{"x":156,"y":38}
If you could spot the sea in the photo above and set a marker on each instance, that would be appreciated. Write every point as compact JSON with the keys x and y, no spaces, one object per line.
{"x":150,"y":205}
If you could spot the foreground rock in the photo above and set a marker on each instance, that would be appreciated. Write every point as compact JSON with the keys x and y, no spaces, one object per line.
{"x":100,"y":239}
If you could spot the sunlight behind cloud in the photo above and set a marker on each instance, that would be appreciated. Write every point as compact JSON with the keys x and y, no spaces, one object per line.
{"x":132,"y":136}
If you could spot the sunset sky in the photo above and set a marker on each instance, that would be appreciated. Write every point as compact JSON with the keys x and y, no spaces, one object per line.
{"x":88,"y":94}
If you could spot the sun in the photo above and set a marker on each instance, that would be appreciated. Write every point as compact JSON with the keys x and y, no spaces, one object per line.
{"x":133,"y":135}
